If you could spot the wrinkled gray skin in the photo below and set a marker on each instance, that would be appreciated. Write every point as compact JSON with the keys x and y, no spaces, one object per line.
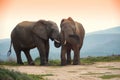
{"x":72,"y":35}
{"x":28,"y":35}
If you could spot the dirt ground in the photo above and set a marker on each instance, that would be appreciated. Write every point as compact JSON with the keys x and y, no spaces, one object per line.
{"x":72,"y":72}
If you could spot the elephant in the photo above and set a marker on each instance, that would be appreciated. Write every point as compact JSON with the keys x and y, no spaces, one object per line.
{"x":72,"y":37}
{"x":28,"y":35}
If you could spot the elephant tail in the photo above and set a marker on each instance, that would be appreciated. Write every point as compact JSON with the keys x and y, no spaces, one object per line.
{"x":9,"y":52}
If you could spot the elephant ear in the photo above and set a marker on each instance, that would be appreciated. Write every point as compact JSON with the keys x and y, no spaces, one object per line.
{"x":62,"y":22}
{"x":70,"y":19}
{"x":40,"y":29}
{"x":67,"y":20}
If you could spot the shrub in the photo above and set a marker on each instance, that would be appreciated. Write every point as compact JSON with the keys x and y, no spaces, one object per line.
{"x":13,"y":75}
{"x":110,"y":76}
{"x":91,"y":60}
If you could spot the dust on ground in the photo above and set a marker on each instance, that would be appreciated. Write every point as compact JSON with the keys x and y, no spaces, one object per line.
{"x":72,"y":72}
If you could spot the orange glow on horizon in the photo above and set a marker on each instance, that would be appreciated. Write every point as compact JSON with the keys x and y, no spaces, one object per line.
{"x":117,"y":4}
{"x":4,"y":6}
{"x":93,"y":14}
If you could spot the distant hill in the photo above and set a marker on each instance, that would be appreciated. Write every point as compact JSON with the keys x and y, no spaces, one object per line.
{"x":114,"y":30}
{"x":102,"y":43}
{"x":99,"y":43}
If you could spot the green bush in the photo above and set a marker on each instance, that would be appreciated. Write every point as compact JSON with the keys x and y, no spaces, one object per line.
{"x":110,"y":76}
{"x":13,"y":75}
{"x":91,"y":60}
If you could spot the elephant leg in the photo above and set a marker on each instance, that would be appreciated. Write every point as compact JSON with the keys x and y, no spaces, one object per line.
{"x":47,"y":51}
{"x":42,"y":51}
{"x":42,"y":56}
{"x":29,"y":59}
{"x":76,"y":60}
{"x":18,"y":55}
{"x":63,"y":57}
{"x":69,"y":56}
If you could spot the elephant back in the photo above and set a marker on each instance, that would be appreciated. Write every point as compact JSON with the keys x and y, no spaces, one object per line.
{"x":26,"y":24}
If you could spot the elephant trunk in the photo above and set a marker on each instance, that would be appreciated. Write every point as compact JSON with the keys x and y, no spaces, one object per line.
{"x":63,"y":37}
{"x":57,"y":42}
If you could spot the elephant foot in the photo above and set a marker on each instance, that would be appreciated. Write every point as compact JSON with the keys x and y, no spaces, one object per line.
{"x":63,"y":63}
{"x":21,"y":63}
{"x":76,"y":63}
{"x":44,"y":64}
{"x":68,"y":62}
{"x":32,"y":63}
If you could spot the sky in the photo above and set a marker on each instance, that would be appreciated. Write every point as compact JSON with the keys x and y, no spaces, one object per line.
{"x":95,"y":15}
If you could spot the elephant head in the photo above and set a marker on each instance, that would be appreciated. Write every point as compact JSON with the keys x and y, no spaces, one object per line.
{"x":47,"y":29}
{"x":69,"y":32}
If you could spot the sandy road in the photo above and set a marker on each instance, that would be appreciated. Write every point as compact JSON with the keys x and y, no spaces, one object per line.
{"x":72,"y":72}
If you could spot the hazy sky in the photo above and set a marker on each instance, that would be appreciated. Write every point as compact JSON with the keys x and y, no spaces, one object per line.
{"x":93,"y":14}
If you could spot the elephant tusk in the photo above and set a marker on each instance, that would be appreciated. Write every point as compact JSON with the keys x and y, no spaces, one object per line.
{"x":57,"y":41}
{"x":65,"y":42}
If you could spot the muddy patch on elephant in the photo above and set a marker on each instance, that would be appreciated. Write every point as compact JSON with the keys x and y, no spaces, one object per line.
{"x":96,"y":71}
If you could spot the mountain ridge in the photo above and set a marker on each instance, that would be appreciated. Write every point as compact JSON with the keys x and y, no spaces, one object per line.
{"x":115,"y":30}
